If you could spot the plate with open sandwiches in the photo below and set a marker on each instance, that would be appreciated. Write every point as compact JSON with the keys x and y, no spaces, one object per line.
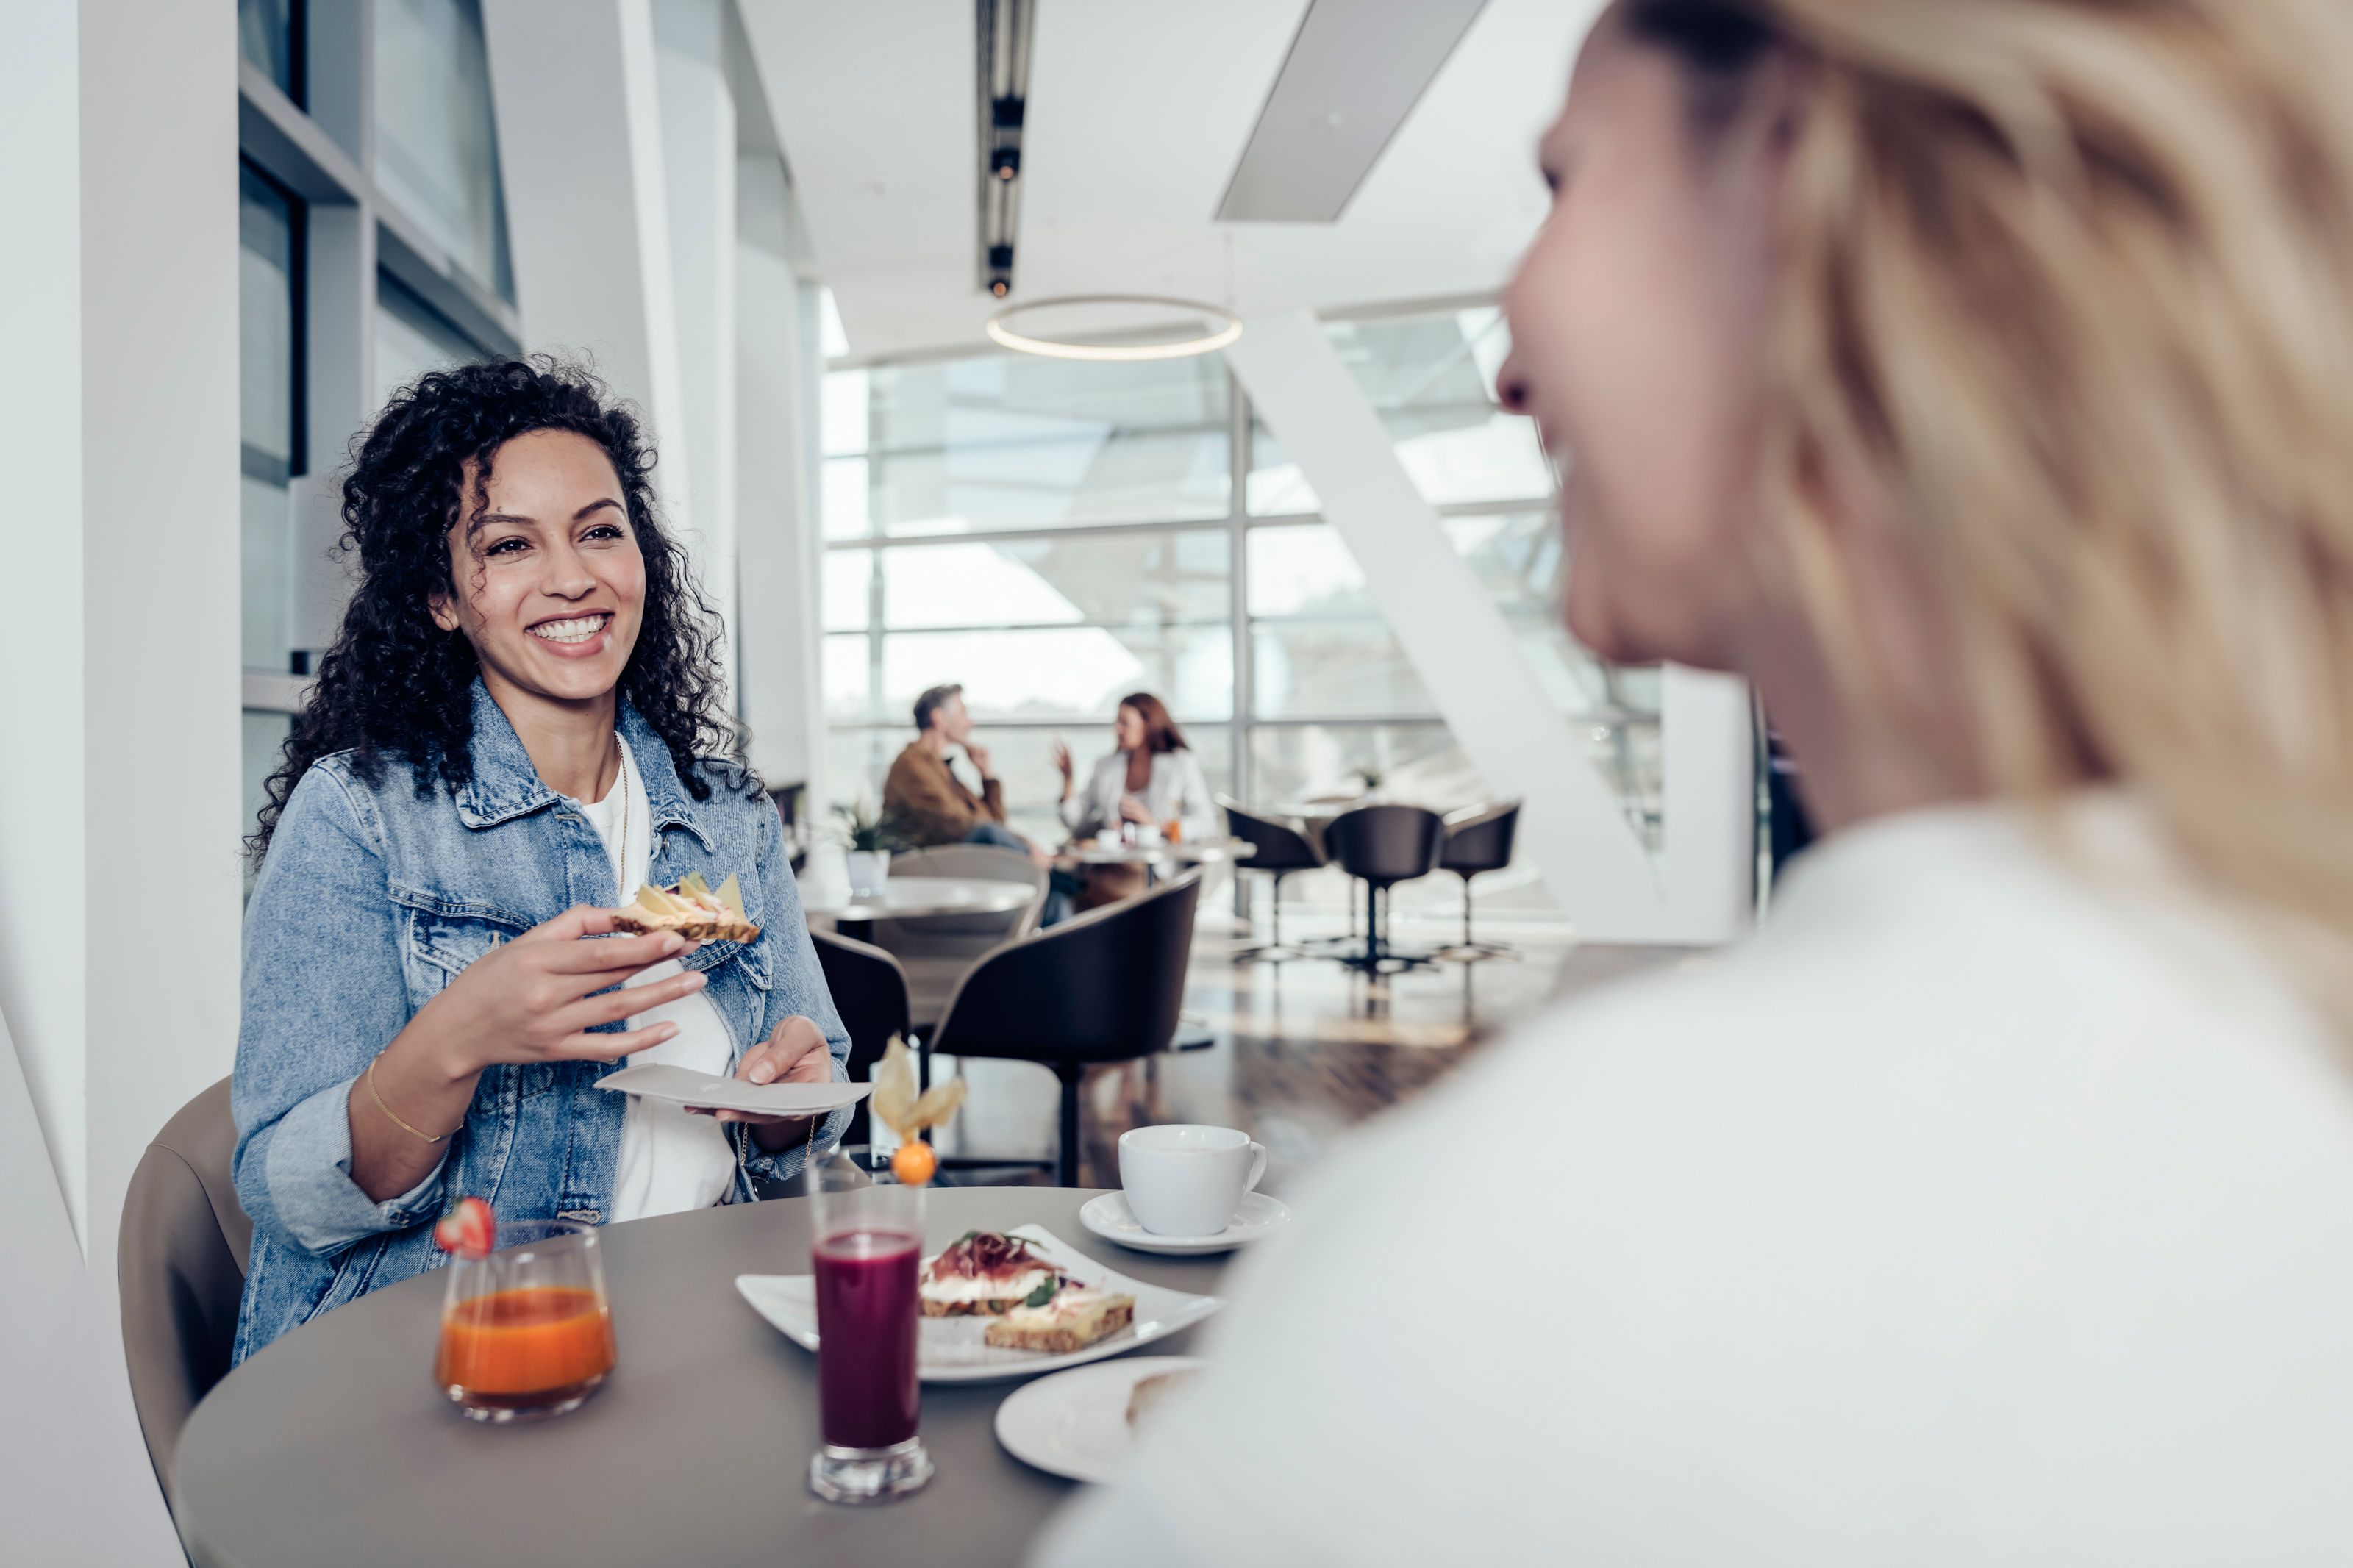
{"x":1005,"y":1304}
{"x":1081,"y":1424}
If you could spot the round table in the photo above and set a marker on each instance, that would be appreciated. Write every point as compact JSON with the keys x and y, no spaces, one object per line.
{"x":334,"y":1446}
{"x":908,"y":898}
{"x":1152,"y":857}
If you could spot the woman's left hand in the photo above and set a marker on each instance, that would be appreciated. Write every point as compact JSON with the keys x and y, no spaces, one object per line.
{"x":1132,"y":809}
{"x":793,"y":1053}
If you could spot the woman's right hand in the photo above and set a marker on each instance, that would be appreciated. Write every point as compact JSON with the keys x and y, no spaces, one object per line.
{"x":1062,"y":763}
{"x":534,"y":999}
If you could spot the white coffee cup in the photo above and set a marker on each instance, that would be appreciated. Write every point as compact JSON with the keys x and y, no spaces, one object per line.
{"x":1187,"y":1180}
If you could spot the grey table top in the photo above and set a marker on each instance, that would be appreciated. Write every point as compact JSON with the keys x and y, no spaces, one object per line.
{"x":907,"y":898}
{"x":334,"y":1446}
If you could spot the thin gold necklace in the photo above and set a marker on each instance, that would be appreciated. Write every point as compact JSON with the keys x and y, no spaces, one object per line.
{"x":621,"y":872}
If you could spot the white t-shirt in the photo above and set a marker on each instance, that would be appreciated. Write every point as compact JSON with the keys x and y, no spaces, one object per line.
{"x":669,"y":1160}
{"x":1979,"y":1210}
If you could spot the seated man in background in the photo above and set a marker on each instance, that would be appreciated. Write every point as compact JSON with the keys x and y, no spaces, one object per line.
{"x":932,"y":805}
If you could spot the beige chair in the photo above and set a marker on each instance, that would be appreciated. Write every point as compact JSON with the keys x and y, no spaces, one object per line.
{"x":180,"y":1264}
{"x":937,"y":950}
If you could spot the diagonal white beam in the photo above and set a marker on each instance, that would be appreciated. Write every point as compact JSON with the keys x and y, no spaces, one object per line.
{"x":1591,"y":861}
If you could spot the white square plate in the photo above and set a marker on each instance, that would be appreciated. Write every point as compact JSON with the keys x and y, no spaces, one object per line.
{"x":952,"y":1349}
{"x":675,"y":1085}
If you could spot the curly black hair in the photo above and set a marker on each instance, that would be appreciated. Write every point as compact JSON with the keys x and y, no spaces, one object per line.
{"x":395,"y":686}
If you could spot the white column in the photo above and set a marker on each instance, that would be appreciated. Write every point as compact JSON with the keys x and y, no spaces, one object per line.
{"x":1595,"y":867}
{"x":778,"y":621}
{"x":698,"y":126}
{"x":118,"y":421}
{"x":580,"y":154}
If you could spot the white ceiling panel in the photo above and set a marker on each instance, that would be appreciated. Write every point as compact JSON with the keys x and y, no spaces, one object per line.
{"x":1137,"y":115}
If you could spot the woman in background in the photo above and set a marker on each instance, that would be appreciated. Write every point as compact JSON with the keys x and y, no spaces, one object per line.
{"x":1977,"y":377}
{"x":1150,"y":778}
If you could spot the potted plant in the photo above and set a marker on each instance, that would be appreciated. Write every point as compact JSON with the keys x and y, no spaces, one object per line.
{"x":870,"y":836}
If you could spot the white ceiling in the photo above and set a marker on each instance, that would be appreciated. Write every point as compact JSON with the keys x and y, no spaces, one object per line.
{"x":1137,"y":113}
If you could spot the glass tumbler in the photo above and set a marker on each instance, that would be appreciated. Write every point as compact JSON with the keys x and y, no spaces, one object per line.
{"x":526,"y":1331}
{"x":866,"y":1243}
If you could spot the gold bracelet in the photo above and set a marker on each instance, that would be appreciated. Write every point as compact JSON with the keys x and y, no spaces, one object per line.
{"x":375,"y":1094}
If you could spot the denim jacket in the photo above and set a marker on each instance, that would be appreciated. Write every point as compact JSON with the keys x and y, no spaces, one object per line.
{"x":370,"y":900}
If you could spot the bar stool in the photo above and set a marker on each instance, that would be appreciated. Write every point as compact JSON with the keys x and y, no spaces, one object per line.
{"x":1382,"y":846}
{"x":1477,"y":840}
{"x":1282,"y":850}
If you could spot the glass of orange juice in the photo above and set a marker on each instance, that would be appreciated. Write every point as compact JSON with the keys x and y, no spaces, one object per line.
{"x":526,"y":1331}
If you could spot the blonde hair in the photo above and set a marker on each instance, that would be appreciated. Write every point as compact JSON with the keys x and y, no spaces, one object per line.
{"x":2068,"y":282}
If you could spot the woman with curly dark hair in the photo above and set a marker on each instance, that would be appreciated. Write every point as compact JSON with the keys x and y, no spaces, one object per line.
{"x":518,"y":724}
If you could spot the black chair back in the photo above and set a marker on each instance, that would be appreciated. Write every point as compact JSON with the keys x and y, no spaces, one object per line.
{"x":1386,"y":844}
{"x":869,"y":991}
{"x":1106,"y":987}
{"x":1281,"y":848}
{"x":1480,"y":840}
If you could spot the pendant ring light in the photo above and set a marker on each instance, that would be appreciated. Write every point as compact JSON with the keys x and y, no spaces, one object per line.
{"x":1228,"y":327}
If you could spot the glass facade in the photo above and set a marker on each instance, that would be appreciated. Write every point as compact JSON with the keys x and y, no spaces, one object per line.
{"x":269,"y":371}
{"x":411,"y":338}
{"x":430,"y":170}
{"x":1013,"y":441}
{"x":1099,"y":545}
{"x":436,"y":155}
{"x":270,"y":34}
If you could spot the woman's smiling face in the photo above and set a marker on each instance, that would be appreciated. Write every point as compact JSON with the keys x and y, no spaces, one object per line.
{"x":547,"y":584}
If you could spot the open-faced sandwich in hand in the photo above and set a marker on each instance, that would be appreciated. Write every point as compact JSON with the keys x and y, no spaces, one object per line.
{"x":986,"y":1275}
{"x":690,"y":908}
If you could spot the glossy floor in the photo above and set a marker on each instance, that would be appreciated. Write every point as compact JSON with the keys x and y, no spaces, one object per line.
{"x":1295,"y":1052}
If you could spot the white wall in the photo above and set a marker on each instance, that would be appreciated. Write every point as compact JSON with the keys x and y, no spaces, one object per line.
{"x":1592,"y":863}
{"x":580,"y":156}
{"x":120,"y":799}
{"x":776,"y":624}
{"x":697,"y":135}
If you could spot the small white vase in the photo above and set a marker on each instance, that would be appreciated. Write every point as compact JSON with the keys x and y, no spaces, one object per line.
{"x":867,"y":869}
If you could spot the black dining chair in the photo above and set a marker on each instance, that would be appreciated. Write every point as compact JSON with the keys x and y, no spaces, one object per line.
{"x":1103,"y":987}
{"x":869,"y":991}
{"x":1382,"y":846}
{"x":1282,"y":850}
{"x":1478,"y":840}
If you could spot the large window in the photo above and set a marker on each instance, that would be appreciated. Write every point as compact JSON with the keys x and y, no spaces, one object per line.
{"x":411,"y":338}
{"x":270,"y":34}
{"x":1015,"y":442}
{"x":327,"y":326}
{"x":269,"y":307}
{"x":436,"y":155}
{"x":1055,"y":535}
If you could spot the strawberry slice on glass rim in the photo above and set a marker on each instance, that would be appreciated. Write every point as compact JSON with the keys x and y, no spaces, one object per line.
{"x":469,"y":1229}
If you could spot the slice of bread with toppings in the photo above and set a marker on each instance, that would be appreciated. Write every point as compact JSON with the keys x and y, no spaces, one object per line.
{"x":1072,"y":1321}
{"x":984,"y":1273}
{"x":690,"y":908}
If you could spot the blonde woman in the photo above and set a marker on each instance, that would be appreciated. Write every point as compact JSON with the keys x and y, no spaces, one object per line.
{"x":1975,"y":376}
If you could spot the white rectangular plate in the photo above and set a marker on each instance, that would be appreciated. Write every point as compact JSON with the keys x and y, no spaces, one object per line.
{"x":675,"y":1085}
{"x":952,"y":1350}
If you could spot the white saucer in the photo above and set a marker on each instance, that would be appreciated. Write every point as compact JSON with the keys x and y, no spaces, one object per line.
{"x":1074,"y":1424}
{"x":1110,"y":1217}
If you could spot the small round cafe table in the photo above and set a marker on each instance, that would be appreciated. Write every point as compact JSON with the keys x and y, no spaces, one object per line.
{"x":1152,"y":857}
{"x":911,"y":897}
{"x":333,"y":1446}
